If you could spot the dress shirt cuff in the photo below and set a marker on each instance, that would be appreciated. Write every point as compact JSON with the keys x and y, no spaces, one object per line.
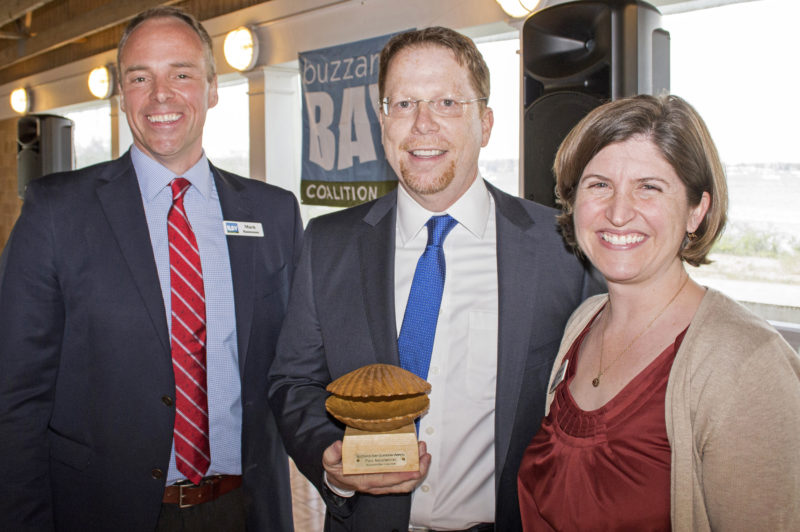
{"x":337,"y":491}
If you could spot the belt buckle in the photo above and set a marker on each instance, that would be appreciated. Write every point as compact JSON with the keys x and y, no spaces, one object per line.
{"x":181,"y":504}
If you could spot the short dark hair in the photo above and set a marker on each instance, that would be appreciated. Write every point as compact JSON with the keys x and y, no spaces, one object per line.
{"x":174,"y":12}
{"x":679,"y":133}
{"x":464,"y":49}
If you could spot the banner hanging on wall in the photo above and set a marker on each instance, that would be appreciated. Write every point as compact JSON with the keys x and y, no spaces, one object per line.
{"x":343,"y":159}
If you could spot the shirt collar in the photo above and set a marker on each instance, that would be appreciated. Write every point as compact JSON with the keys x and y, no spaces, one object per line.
{"x":470,"y":210}
{"x":153,"y":177}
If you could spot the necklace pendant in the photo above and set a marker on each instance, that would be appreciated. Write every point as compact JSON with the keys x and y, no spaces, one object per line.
{"x":596,"y":382}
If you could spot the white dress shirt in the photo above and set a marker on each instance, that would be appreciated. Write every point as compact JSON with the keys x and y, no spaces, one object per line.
{"x":459,"y":490}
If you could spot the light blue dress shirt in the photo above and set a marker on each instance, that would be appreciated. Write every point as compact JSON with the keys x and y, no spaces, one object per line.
{"x":205,"y":216}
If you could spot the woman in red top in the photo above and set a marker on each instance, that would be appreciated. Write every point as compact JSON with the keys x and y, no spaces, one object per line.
{"x":643,"y":191}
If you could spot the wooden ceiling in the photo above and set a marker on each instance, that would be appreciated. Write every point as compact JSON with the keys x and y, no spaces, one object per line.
{"x":37,"y":35}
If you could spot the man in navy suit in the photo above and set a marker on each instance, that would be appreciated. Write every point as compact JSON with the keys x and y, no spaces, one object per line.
{"x":88,"y":395}
{"x":510,"y":286}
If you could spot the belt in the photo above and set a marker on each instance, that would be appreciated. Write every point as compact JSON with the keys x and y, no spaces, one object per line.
{"x":482,"y":527}
{"x":187,"y":494}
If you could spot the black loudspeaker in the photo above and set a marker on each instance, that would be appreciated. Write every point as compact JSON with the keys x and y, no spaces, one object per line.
{"x":576,"y":56}
{"x":44,"y":146}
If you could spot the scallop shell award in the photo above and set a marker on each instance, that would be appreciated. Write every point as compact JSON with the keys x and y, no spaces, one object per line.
{"x":378,"y":404}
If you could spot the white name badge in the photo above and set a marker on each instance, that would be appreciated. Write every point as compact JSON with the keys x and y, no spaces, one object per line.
{"x":242,"y":228}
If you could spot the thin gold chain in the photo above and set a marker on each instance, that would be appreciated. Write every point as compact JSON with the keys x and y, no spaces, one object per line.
{"x":601,"y":370}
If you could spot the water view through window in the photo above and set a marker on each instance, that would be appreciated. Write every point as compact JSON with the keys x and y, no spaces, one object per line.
{"x":736,"y":65}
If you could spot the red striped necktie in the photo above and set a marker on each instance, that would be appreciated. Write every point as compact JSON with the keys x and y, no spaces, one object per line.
{"x":188,"y":341}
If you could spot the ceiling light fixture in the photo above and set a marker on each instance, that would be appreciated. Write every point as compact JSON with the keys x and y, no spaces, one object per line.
{"x":101,"y":82}
{"x":20,"y":100}
{"x":518,"y":8}
{"x":241,"y":48}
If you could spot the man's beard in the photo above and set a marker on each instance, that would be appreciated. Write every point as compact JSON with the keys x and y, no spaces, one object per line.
{"x":428,"y":185}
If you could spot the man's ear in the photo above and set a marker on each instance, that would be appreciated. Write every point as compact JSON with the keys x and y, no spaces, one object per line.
{"x":213,"y":94}
{"x":121,"y":97}
{"x":487,"y":121}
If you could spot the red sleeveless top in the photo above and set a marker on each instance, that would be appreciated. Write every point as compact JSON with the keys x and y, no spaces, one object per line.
{"x":606,"y":469}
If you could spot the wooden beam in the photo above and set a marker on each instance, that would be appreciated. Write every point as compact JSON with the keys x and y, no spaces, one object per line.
{"x":11,"y":35}
{"x":98,"y":19}
{"x":11,"y":10}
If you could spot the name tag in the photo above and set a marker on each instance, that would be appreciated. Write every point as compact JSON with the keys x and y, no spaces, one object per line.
{"x":243,"y":228}
{"x":559,"y":376}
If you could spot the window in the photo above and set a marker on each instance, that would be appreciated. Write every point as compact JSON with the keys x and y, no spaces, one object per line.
{"x":499,"y":160}
{"x":91,"y":134}
{"x":735,"y":64}
{"x":226,"y":136}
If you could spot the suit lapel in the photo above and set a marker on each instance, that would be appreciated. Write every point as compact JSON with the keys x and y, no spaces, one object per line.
{"x":235,"y":207}
{"x":516,"y":251}
{"x":376,"y":258}
{"x":121,"y":200}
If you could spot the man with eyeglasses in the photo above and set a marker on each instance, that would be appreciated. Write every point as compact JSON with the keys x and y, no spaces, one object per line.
{"x":506,"y":288}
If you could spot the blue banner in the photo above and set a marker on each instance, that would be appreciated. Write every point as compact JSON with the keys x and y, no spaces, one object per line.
{"x":343,"y":159}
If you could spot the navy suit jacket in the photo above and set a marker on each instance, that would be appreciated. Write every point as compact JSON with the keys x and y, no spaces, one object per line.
{"x":341,"y":317}
{"x":86,"y":379}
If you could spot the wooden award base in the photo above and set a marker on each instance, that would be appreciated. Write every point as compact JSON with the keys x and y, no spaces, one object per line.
{"x":380,"y":452}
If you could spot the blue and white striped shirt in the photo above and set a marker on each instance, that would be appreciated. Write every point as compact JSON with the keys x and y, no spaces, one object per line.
{"x":205,"y":216}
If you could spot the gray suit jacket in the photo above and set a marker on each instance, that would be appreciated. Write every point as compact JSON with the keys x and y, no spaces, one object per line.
{"x":341,"y":317}
{"x":86,"y":378}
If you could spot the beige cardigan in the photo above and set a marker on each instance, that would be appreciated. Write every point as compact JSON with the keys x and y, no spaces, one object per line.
{"x":732,"y":410}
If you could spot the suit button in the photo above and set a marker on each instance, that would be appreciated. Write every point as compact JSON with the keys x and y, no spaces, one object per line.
{"x":167,"y":400}
{"x":156,"y":473}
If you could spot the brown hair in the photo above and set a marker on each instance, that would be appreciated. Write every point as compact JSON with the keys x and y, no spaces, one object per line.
{"x":174,"y":12}
{"x":465,"y":51}
{"x":679,"y":133}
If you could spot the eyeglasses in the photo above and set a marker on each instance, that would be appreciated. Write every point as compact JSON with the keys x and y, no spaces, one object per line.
{"x":447,"y":107}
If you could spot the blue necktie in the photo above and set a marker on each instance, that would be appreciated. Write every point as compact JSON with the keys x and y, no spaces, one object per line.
{"x":422,"y":311}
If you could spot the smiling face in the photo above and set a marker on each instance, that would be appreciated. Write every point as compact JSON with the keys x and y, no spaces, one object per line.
{"x":631,"y":212}
{"x":435,"y":158}
{"x":166,"y":91}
